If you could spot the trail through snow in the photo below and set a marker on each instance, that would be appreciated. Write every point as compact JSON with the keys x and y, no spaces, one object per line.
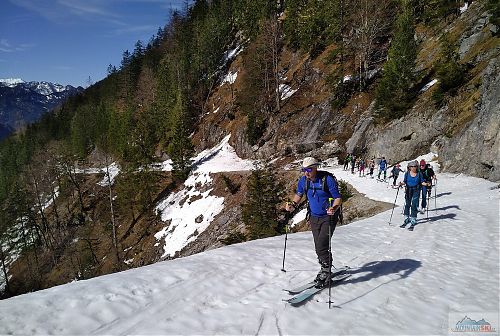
{"x":402,"y":282}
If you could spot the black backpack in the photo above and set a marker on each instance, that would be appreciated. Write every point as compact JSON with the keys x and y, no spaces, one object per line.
{"x":428,"y":173}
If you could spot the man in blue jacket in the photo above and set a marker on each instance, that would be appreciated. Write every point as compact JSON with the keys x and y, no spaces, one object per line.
{"x":382,"y":168}
{"x":322,"y":191}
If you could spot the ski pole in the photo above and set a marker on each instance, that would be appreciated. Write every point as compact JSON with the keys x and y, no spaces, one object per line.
{"x":330,"y":257}
{"x":435,"y":197}
{"x":428,"y":204}
{"x":284,"y":250}
{"x":397,"y":192}
{"x":404,"y":206}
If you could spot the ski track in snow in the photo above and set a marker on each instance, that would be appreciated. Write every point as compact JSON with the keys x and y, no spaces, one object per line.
{"x":402,"y":282}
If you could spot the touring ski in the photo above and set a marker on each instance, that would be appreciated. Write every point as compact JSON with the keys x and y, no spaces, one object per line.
{"x":309,"y":292}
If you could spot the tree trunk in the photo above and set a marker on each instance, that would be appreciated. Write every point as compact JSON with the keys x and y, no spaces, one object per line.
{"x":113,"y":224}
{"x":4,"y":270}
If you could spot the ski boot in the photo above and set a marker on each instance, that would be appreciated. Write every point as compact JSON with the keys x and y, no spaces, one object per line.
{"x":413,"y":222}
{"x":322,"y":277}
{"x":406,"y":222}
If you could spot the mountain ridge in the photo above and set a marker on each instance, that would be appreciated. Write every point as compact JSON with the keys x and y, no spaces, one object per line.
{"x":23,"y":103}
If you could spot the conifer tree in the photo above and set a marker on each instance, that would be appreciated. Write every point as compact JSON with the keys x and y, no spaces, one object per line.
{"x":394,"y":92}
{"x":292,"y":9}
{"x":136,"y":63}
{"x":311,"y":25}
{"x":449,"y":72}
{"x":434,"y":10}
{"x":260,"y":210}
{"x":250,"y":13}
{"x":180,"y":148}
{"x":111,"y":69}
{"x":125,"y":76}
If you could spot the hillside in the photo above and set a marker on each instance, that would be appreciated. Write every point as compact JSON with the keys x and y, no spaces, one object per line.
{"x":309,"y":122}
{"x":229,"y":84}
{"x":422,"y":282}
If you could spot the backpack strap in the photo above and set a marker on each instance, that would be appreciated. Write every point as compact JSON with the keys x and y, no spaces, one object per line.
{"x":324,"y":184}
{"x":325,"y":189}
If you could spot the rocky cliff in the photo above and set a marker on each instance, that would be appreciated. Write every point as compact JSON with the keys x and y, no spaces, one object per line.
{"x":463,"y":131}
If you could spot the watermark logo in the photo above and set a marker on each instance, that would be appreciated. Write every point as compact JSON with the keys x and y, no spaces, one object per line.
{"x":474,"y":323}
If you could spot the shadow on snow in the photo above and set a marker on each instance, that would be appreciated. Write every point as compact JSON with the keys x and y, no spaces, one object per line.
{"x":401,"y":268}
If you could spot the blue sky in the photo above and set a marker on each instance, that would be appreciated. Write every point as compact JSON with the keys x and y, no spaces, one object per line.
{"x":66,"y":41}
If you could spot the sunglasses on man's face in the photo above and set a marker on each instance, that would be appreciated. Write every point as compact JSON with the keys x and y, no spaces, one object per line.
{"x":306,"y":170}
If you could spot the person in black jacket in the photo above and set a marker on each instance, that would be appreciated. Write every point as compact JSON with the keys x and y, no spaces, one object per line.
{"x":395,"y":173}
{"x":429,"y":176}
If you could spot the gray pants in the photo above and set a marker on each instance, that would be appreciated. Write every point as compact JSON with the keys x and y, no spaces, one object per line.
{"x":319,"y":228}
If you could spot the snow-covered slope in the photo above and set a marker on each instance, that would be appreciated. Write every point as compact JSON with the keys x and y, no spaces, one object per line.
{"x":402,"y":282}
{"x":190,"y":211}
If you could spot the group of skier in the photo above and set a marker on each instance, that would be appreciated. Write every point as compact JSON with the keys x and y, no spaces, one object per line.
{"x":360,"y":164}
{"x":321,"y":190}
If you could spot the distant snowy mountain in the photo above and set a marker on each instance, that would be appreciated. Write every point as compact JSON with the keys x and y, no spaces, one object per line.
{"x":22,"y":103}
{"x":10,"y":82}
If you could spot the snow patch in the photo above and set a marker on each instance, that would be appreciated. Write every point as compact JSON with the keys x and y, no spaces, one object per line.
{"x":50,"y":199}
{"x":232,"y":53}
{"x":189,"y":211}
{"x":428,"y":85}
{"x":230,"y":78}
{"x":464,"y":7}
{"x":286,"y":91}
{"x":221,"y":158}
{"x":114,"y":170}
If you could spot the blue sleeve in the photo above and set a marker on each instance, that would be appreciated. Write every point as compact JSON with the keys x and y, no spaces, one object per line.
{"x":301,"y":186}
{"x":333,"y":187}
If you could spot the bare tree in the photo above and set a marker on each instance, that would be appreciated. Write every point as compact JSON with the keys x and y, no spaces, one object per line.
{"x":3,"y":254}
{"x":113,"y":223}
{"x":369,"y":25}
{"x":4,"y":269}
{"x":272,"y":39}
{"x":68,"y":168}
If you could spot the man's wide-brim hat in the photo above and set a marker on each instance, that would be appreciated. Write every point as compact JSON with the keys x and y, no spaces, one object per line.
{"x":309,"y":162}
